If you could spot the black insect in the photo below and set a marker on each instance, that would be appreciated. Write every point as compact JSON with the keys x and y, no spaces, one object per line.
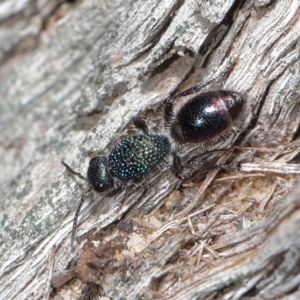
{"x":130,"y":160}
{"x":203,"y":117}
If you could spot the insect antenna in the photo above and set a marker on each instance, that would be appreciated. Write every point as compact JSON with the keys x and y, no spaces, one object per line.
{"x":83,"y":196}
{"x":72,"y":171}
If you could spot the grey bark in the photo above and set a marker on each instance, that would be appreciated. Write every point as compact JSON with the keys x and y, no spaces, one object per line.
{"x":72,"y":78}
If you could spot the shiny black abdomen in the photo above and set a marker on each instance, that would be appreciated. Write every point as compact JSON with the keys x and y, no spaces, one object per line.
{"x":206,"y":116}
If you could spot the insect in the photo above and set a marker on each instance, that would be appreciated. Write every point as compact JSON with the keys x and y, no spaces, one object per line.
{"x":130,"y":160}
{"x":202,"y":118}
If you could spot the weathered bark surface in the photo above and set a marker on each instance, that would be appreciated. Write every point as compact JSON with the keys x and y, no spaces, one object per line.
{"x":72,"y":77}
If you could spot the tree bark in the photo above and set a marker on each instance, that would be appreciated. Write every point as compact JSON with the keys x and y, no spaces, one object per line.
{"x":73,"y":75}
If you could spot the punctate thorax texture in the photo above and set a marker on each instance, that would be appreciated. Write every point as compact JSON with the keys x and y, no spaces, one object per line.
{"x":132,"y":158}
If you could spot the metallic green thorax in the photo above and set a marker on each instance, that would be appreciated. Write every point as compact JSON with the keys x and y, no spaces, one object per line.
{"x":132,"y":158}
